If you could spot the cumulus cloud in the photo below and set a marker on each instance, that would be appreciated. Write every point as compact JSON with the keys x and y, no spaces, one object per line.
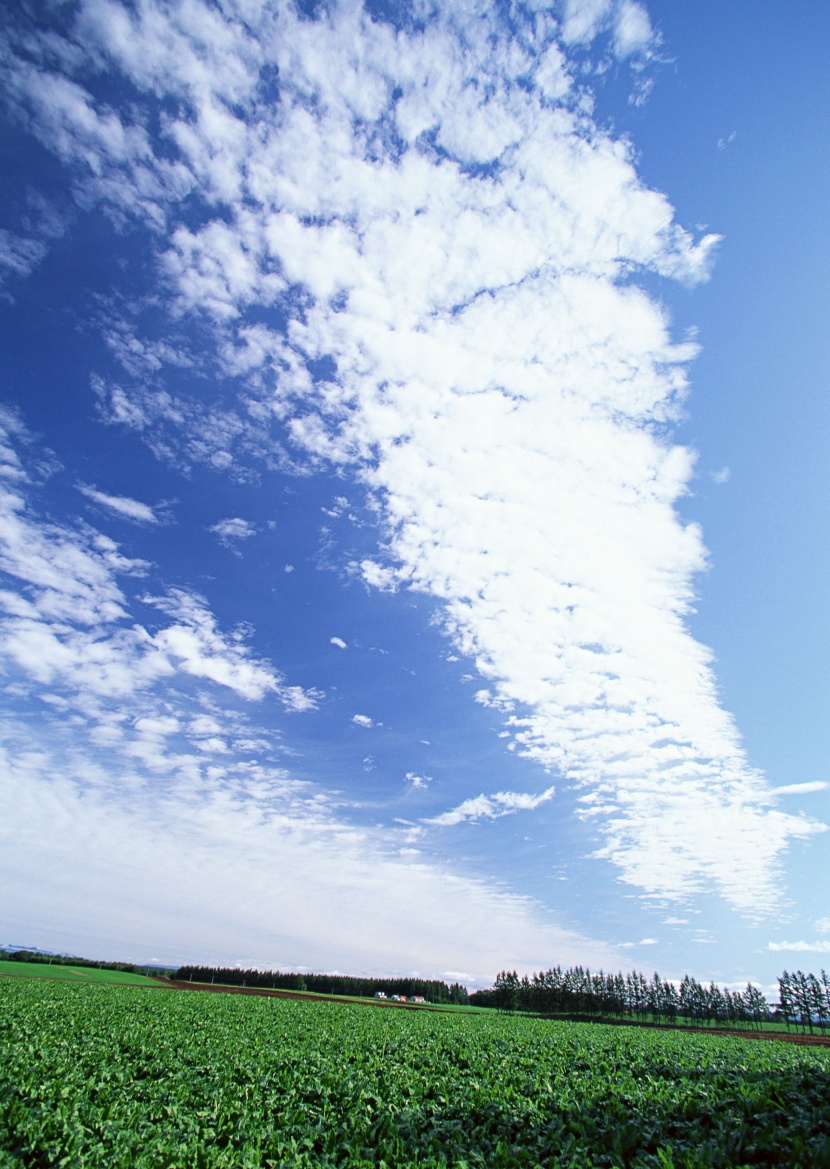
{"x":233,"y":529}
{"x":120,"y":505}
{"x":632,"y":29}
{"x":491,"y":807}
{"x":627,"y":20}
{"x":456,"y":245}
{"x":338,"y":641}
{"x":363,"y":720}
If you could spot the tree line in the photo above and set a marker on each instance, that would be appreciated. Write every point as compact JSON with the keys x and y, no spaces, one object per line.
{"x":66,"y":960}
{"x":348,"y":985}
{"x":576,"y":992}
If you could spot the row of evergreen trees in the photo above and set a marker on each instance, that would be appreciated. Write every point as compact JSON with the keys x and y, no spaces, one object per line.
{"x":351,"y":986}
{"x":577,"y":991}
{"x":805,"y":1000}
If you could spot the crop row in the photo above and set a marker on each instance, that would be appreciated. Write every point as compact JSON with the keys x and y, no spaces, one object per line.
{"x":94,"y":1076}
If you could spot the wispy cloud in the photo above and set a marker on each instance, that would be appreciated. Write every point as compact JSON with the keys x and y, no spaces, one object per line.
{"x":418,"y":781}
{"x":491,"y":807}
{"x":18,"y":254}
{"x":338,"y":641}
{"x":263,"y":860}
{"x":819,"y":947}
{"x":142,"y":769}
{"x":801,"y":789}
{"x":69,"y":623}
{"x":23,"y":249}
{"x":120,"y":505}
{"x":449,"y":237}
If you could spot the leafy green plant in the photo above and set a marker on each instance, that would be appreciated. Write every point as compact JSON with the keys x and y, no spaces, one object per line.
{"x":94,"y":1075}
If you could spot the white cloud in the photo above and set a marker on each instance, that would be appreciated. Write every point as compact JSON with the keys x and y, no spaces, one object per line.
{"x":196,"y":644}
{"x":464,"y":249}
{"x":379,"y":577}
{"x":338,"y":641}
{"x":232,"y":529}
{"x":584,"y":19}
{"x":363,"y":720}
{"x":69,"y":623}
{"x":18,"y":254}
{"x":232,"y":855}
{"x":157,"y":785}
{"x":823,"y":925}
{"x":418,"y":781}
{"x":626,"y":19}
{"x":121,"y":505}
{"x":800,"y":947}
{"x":491,"y":807}
{"x":22,"y":250}
{"x":632,"y":29}
{"x":800,"y":789}
{"x":69,"y":575}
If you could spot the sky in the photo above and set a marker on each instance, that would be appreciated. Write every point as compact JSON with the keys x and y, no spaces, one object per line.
{"x":414,"y":476}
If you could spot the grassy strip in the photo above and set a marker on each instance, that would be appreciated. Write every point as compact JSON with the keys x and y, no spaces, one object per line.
{"x":312,"y":995}
{"x":76,"y":974}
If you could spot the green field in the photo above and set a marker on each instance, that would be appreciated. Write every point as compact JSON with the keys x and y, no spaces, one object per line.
{"x":75,"y":973}
{"x":102,"y":1076}
{"x":317,"y":995}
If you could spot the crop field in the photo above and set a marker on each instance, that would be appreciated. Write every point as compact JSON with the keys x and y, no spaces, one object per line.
{"x":107,"y":1076}
{"x":75,"y":973}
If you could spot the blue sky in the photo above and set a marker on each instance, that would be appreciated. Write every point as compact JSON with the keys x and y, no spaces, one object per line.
{"x":415,"y":485}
